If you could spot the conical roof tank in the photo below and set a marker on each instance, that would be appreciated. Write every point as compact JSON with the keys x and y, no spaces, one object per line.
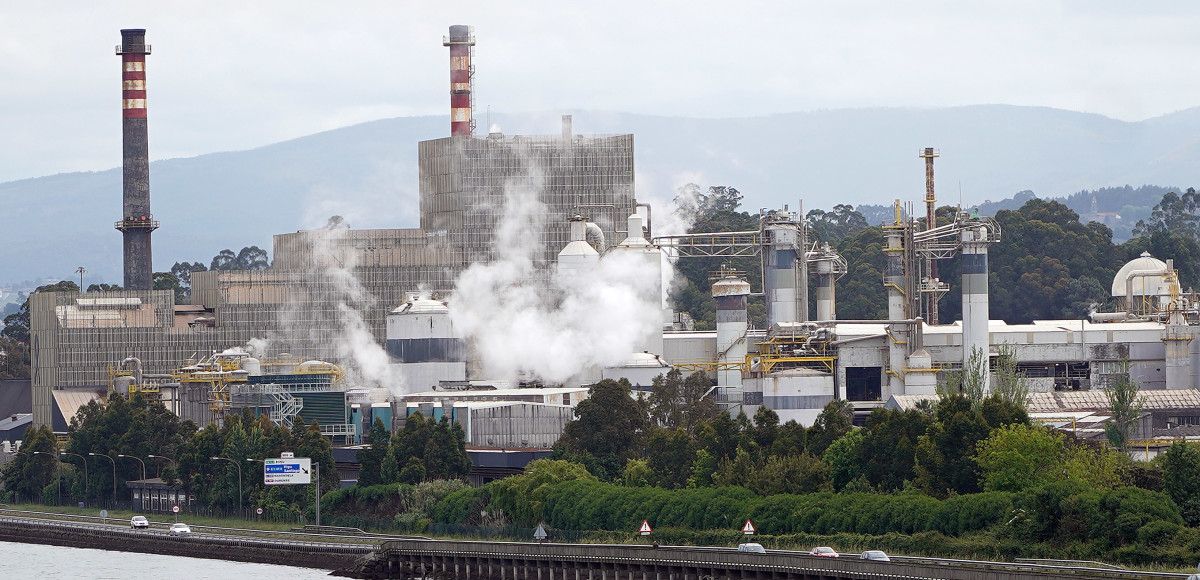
{"x":578,"y":255}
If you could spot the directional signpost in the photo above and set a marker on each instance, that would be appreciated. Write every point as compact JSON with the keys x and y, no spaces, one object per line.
{"x":294,"y":471}
{"x":645,"y":529}
{"x":748,"y":528}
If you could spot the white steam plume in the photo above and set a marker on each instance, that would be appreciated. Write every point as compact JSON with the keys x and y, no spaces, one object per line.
{"x":332,"y":272}
{"x":521,"y":321}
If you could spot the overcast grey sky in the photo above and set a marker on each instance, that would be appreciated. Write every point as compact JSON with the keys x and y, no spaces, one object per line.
{"x":235,"y":75}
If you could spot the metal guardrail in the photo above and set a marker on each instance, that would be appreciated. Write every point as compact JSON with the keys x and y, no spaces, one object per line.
{"x":899,"y":567}
{"x":1052,"y":562}
{"x":55,"y":516}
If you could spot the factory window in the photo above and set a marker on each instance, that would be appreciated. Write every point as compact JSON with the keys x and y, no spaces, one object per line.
{"x":864,"y":383}
{"x":1181,"y":421}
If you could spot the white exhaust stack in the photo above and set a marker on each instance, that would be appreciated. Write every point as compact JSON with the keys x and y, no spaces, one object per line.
{"x":730,"y":293}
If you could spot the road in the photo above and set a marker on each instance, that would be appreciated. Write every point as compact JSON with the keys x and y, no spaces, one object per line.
{"x":272,"y":546}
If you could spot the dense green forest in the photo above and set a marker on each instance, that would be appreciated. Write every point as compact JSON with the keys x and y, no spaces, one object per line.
{"x":1048,"y":265}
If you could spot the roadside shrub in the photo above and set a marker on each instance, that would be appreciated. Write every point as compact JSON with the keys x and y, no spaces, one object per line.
{"x":1158,"y":533}
{"x":972,"y":512}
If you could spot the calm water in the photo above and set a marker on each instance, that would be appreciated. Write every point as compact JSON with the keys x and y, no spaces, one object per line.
{"x":38,"y":561}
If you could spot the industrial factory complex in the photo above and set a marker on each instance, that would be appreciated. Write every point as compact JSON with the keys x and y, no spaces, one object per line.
{"x":274,"y":340}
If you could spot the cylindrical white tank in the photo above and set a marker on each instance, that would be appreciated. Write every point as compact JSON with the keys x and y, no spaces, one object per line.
{"x":252,"y":366}
{"x":826,"y":290}
{"x":422,"y":342}
{"x":123,"y":385}
{"x":730,"y":294}
{"x":577,"y":256}
{"x":975,"y":297}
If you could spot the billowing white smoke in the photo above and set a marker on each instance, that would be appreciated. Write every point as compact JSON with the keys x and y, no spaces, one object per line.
{"x":523,"y":322}
{"x":365,"y":362}
{"x":258,"y":347}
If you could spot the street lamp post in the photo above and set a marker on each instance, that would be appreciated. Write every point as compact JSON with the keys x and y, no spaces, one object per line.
{"x":239,"y":470}
{"x":143,"y":490}
{"x":85,"y":471}
{"x":138,"y":459}
{"x":57,"y":471}
{"x":252,"y":461}
{"x":114,"y":466}
{"x":169,"y":460}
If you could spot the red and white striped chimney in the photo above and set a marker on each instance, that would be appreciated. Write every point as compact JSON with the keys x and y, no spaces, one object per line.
{"x":460,"y":42}
{"x":136,"y":220}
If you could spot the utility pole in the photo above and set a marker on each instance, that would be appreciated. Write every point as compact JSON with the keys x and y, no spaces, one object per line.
{"x":80,"y":270}
{"x":318,"y":464}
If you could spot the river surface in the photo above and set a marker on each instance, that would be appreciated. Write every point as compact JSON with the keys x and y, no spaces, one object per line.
{"x":38,"y":561}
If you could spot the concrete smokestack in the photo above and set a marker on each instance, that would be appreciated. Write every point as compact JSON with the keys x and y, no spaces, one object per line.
{"x":136,"y":222}
{"x":460,"y":42}
{"x":730,"y":294}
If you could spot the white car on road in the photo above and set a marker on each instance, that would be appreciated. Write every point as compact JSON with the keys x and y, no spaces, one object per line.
{"x":180,"y":530}
{"x":139,"y":522}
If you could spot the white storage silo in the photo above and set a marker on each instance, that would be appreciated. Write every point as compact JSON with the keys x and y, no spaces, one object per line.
{"x":422,"y":342}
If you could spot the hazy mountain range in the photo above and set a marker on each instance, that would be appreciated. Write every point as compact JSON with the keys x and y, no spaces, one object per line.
{"x":368,"y":173}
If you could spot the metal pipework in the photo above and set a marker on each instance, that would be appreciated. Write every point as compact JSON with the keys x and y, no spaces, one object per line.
{"x":649,"y":221}
{"x":136,"y":220}
{"x":1129,"y":304}
{"x":460,"y":42}
{"x":593,"y":230}
{"x":137,"y":368}
{"x":930,"y":222}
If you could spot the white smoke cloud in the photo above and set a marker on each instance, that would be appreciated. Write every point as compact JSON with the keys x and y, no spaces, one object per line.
{"x":332,"y":272}
{"x":522,"y":322}
{"x":258,"y":347}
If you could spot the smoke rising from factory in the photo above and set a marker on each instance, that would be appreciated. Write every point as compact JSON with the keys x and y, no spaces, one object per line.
{"x":522,"y":322}
{"x":332,"y":271}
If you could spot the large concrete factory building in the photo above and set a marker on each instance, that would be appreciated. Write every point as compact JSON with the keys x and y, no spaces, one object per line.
{"x":297,"y":304}
{"x":585,"y":186}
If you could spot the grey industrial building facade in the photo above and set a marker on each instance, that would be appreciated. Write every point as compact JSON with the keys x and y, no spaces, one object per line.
{"x":299,"y":303}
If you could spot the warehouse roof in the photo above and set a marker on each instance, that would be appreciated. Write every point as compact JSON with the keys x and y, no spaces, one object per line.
{"x":1065,"y":403}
